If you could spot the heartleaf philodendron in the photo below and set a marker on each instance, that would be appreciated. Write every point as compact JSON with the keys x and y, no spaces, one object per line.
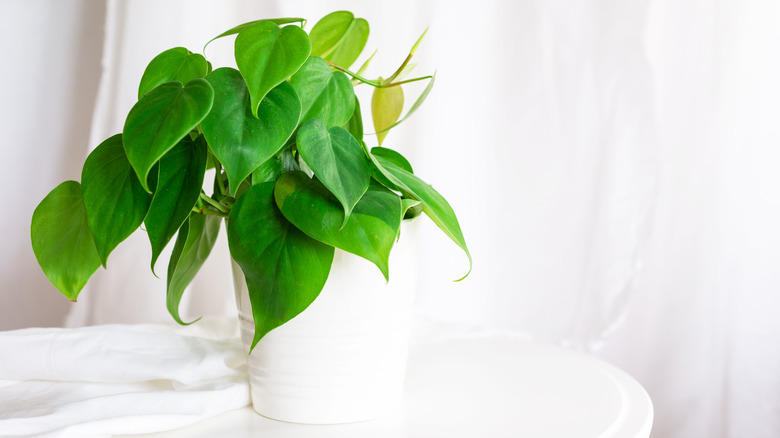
{"x":266,"y":55}
{"x":179,"y":183}
{"x":293,"y":177}
{"x":239,"y":140}
{"x":325,"y":95}
{"x":176,"y":64}
{"x":339,"y":37}
{"x":284,"y":268}
{"x":62,"y":241}
{"x":338,"y":161}
{"x":193,"y":245}
{"x":370,"y":231}
{"x":116,"y":203}
{"x":161,"y":119}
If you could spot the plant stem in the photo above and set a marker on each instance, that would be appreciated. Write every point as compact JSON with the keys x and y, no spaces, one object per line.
{"x":214,"y":203}
{"x":220,"y":179}
{"x":379,"y":84}
{"x":394,"y":84}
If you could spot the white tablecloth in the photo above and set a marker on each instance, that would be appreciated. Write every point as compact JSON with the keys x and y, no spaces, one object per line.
{"x":103,"y":380}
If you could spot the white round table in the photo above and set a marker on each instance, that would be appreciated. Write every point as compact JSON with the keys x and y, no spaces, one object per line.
{"x":480,"y":385}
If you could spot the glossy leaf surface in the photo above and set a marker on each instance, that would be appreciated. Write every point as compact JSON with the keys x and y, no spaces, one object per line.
{"x":240,"y":141}
{"x":266,"y":55}
{"x":161,"y":119}
{"x":394,"y":157}
{"x":338,"y":161}
{"x":116,"y":203}
{"x":176,"y":64}
{"x":339,"y":37}
{"x":62,"y":241}
{"x":285,"y":269}
{"x":326,"y":95}
{"x":193,"y":245}
{"x":240,"y":27}
{"x":179,"y":183}
{"x":434,"y":205}
{"x":386,"y":106}
{"x":370,"y":231}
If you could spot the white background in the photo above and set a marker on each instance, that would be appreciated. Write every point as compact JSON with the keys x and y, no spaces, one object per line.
{"x":614,"y":166}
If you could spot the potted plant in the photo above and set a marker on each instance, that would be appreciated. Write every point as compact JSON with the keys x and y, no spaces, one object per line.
{"x":293,"y":177}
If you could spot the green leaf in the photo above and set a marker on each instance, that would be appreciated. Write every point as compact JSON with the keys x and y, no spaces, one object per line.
{"x":386,"y":106}
{"x":240,"y":141}
{"x":161,"y":119}
{"x":411,"y":208}
{"x":193,"y":245}
{"x":420,"y":99}
{"x":268,"y":171}
{"x":326,"y":95}
{"x":355,"y":123}
{"x":240,"y":27}
{"x":337,"y":159}
{"x":339,"y":37}
{"x":266,"y":55}
{"x":285,"y":269}
{"x":176,"y":64}
{"x":116,"y":203}
{"x":370,"y":231}
{"x":179,"y":183}
{"x":434,"y":205}
{"x":62,"y":241}
{"x":396,"y":158}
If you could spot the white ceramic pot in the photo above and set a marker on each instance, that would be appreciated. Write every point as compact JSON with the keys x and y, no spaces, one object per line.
{"x":343,"y":359}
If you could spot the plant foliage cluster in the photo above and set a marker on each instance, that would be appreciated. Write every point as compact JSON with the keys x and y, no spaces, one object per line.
{"x":293,"y":176}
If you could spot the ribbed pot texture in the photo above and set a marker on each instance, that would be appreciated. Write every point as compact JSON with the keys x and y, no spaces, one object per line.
{"x":343,"y":359}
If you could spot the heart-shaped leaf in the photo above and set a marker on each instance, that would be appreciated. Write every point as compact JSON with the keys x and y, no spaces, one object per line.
{"x":193,"y":245}
{"x":326,"y":95}
{"x":179,"y":184}
{"x":420,"y":99}
{"x":370,"y":231}
{"x":337,"y":159}
{"x":116,"y":203}
{"x":161,"y":119}
{"x":285,"y":269}
{"x":240,"y":141}
{"x":387,"y":103}
{"x":434,"y":205}
{"x":62,"y":241}
{"x":339,"y":37}
{"x":176,"y":64}
{"x":266,"y":55}
{"x":240,"y":27}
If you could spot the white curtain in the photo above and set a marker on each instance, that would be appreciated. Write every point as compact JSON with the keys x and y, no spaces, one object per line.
{"x":613,"y":165}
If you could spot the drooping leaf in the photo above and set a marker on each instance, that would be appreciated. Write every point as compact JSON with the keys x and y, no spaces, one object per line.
{"x":115,"y":202}
{"x":240,"y":141}
{"x":434,"y":205}
{"x":338,"y":161}
{"x":386,"y":106}
{"x":62,"y":241}
{"x":161,"y":119}
{"x":176,"y":64}
{"x":179,"y":183}
{"x":396,"y":158}
{"x":240,"y":27}
{"x":339,"y":37}
{"x":370,"y":230}
{"x":355,"y":123}
{"x":411,"y":208}
{"x":326,"y":95}
{"x":266,"y":55}
{"x":285,"y":269}
{"x":193,"y":245}
{"x":420,"y":99}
